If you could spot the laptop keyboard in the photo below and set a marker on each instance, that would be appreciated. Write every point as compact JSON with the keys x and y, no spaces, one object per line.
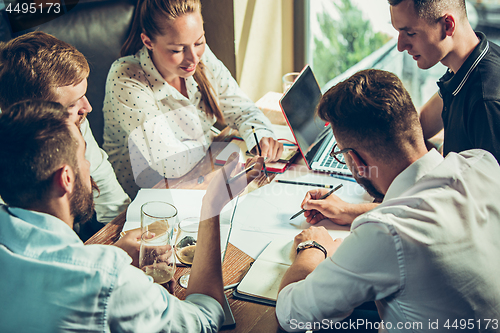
{"x":330,"y":162}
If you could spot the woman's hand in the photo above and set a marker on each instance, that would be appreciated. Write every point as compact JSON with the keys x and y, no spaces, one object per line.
{"x":270,"y":148}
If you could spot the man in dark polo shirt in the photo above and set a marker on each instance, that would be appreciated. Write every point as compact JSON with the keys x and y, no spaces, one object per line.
{"x":468,"y":103}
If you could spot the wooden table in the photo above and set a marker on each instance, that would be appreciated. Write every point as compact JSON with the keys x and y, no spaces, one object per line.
{"x":249,"y":317}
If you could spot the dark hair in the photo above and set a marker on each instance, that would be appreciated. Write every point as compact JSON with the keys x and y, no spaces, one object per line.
{"x":149,"y":18}
{"x":431,"y":10}
{"x":372,"y":110}
{"x":35,"y":142}
{"x":34,"y":65}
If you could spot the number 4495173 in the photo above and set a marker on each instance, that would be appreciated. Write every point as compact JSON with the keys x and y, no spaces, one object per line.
{"x":32,"y":8}
{"x":471,"y":324}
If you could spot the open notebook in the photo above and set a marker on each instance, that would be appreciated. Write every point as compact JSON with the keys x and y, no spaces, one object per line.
{"x":262,"y":281}
{"x":268,"y":210}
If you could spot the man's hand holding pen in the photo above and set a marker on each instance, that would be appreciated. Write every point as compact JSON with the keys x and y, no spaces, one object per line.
{"x":332,"y":208}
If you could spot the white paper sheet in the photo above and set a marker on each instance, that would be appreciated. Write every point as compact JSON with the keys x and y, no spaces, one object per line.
{"x":269,"y":208}
{"x":264,"y":214}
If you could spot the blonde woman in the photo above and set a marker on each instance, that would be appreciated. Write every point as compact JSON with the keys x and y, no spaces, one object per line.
{"x":164,"y":95}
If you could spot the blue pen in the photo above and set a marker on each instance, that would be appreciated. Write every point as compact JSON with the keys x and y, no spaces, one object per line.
{"x":351,"y":179}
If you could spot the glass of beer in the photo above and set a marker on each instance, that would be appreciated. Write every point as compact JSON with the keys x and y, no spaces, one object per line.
{"x":185,"y":244}
{"x":158,"y":217}
{"x":156,"y":256}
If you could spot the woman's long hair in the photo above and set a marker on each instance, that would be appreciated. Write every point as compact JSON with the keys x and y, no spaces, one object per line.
{"x":148,"y":18}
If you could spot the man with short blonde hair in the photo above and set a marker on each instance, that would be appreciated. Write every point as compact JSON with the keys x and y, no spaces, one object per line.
{"x":39,"y":66}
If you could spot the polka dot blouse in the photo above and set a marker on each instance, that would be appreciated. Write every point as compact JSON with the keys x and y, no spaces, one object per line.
{"x":153,"y":132}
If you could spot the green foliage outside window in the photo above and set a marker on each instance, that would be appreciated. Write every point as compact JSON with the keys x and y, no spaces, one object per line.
{"x":345,"y":41}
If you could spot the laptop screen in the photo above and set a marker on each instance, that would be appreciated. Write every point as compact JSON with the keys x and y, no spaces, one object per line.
{"x":299,"y":105}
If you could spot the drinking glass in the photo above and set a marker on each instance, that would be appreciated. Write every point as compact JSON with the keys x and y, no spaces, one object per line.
{"x":288,"y":79}
{"x":158,"y":217}
{"x":156,"y":256}
{"x":185,"y":244}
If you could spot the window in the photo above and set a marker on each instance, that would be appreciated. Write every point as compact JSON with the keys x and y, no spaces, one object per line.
{"x":346,"y":36}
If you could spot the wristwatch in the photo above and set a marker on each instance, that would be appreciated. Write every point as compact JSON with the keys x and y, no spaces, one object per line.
{"x":309,"y":244}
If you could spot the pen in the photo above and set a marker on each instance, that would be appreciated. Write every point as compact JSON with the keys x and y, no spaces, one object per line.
{"x":351,"y":179}
{"x":123,"y":233}
{"x":321,"y":198}
{"x":306,"y":184}
{"x":260,"y":152}
{"x":238,"y":175}
{"x":231,"y":286}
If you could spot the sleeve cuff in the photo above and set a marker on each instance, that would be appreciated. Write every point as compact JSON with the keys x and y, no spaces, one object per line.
{"x":210,"y":307}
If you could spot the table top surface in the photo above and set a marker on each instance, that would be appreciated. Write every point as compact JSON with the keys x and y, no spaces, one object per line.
{"x":249,"y":316}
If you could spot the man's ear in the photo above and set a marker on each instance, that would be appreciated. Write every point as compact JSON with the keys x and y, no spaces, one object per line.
{"x":147,"y":41}
{"x":450,"y":24}
{"x":361,"y":167}
{"x":64,"y":180}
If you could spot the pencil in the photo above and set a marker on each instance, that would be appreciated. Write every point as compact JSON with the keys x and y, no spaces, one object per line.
{"x":321,"y":198}
{"x":302,"y":183}
{"x":258,"y":148}
{"x":231,"y":286}
{"x":244,"y":172}
{"x":351,"y":179}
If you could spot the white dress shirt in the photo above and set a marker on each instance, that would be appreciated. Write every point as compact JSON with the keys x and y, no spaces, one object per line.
{"x":153,"y":132}
{"x":112,"y":200}
{"x":428,"y":255}
{"x":51,"y":282}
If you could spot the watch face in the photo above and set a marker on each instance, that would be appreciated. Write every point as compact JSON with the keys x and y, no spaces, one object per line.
{"x":305,"y":244}
{"x":310,"y":244}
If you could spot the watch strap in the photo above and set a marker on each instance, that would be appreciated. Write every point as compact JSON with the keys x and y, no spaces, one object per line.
{"x":314,"y":244}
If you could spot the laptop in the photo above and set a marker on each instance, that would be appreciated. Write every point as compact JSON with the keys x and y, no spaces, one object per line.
{"x":313,"y":136}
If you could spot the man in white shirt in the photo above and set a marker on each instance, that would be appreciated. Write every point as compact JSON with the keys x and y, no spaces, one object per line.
{"x":428,"y":254}
{"x":50,"y":281}
{"x":39,"y":66}
{"x":467,"y":105}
